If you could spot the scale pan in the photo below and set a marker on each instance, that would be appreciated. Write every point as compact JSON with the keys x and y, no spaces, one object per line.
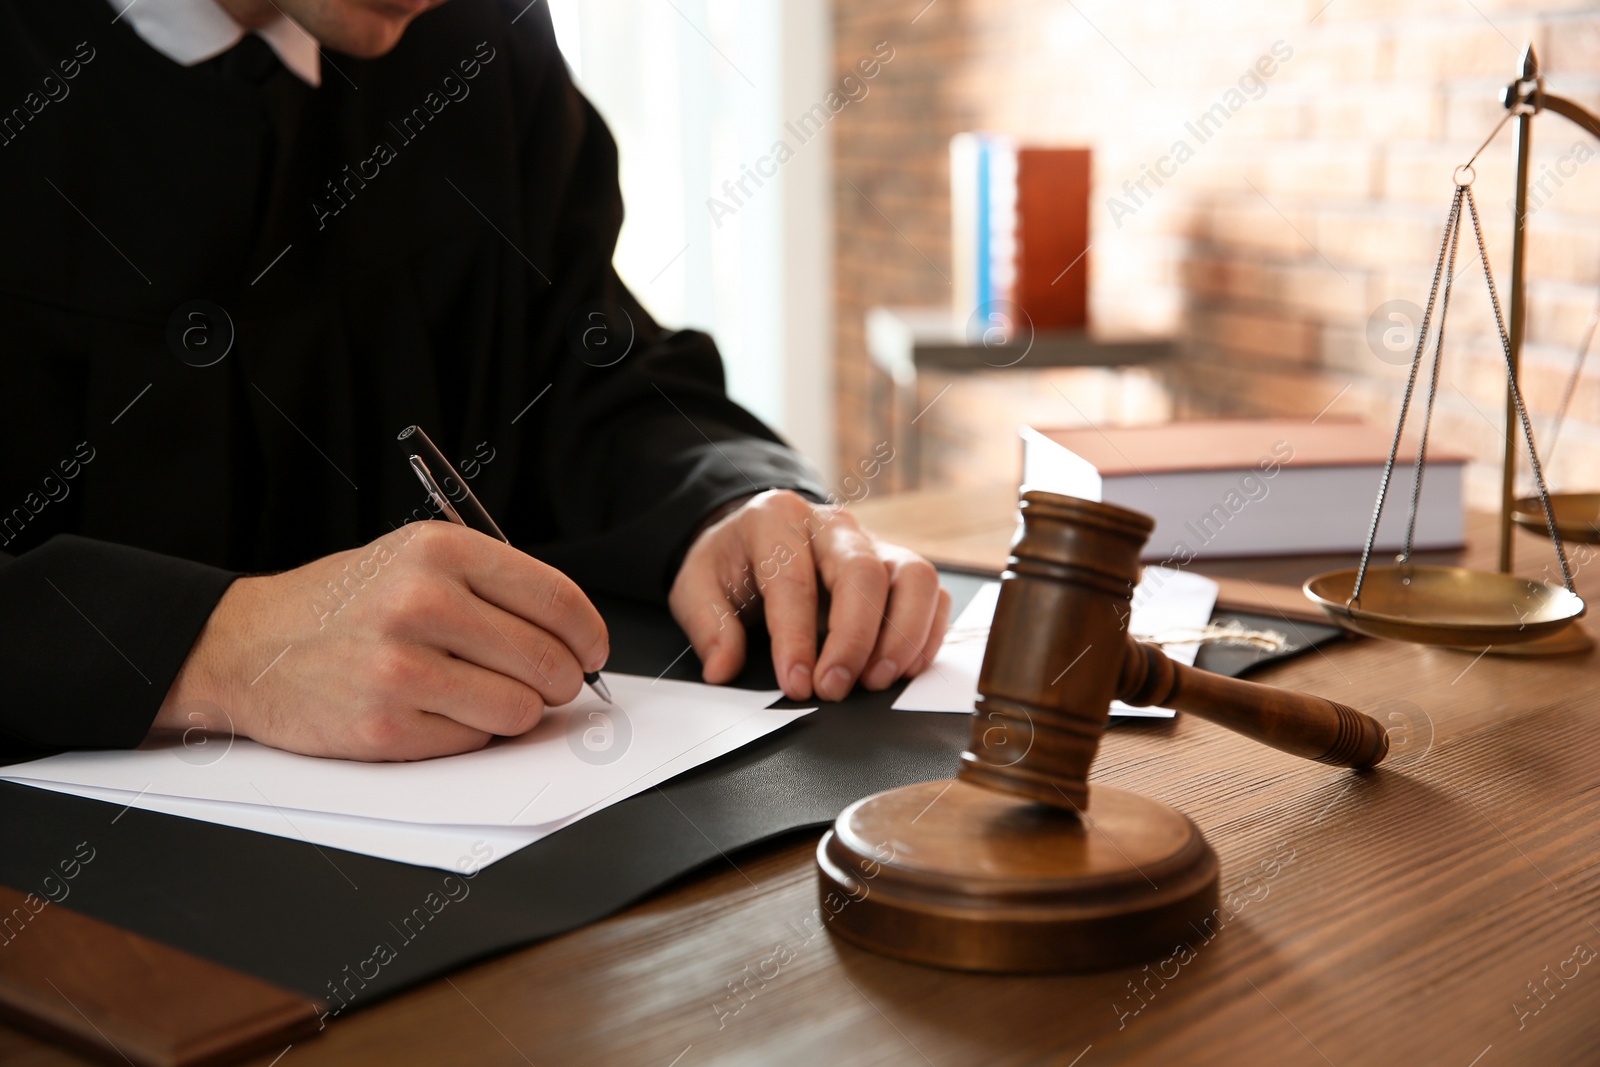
{"x":1450,"y":606}
{"x":1577,"y":516}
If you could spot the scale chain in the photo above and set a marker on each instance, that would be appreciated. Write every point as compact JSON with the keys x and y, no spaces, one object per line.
{"x":1516,"y":397}
{"x":1451,"y":225}
{"x":1445,"y":268}
{"x":1420,"y":466}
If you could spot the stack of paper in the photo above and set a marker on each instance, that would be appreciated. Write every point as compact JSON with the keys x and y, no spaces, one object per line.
{"x":457,"y":812}
{"x":1168,"y":604}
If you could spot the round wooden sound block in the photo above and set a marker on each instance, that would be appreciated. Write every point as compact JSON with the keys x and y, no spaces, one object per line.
{"x":955,"y":875}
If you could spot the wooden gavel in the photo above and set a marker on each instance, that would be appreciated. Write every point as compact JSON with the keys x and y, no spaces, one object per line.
{"x":1020,"y":864}
{"x":1059,"y":654}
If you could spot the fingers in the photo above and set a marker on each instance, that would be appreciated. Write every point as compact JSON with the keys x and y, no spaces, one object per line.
{"x":759,"y":553}
{"x":432,"y":608}
{"x":781,"y":560}
{"x":858,"y":583}
{"x":481,"y":633}
{"x":419,"y":735}
{"x":389,"y":721}
{"x":936,"y":632}
{"x":481,"y":700}
{"x":709,"y":618}
{"x":887,"y":613}
{"x":914,"y":595}
{"x":515,"y":581}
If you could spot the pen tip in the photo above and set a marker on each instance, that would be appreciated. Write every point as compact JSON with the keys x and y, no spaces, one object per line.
{"x":599,"y":686}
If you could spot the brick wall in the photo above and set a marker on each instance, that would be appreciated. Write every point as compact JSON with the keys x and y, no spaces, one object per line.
{"x":1268,"y":248}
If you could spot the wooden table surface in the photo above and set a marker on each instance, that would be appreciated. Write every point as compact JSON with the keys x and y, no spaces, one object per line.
{"x":1440,"y":910}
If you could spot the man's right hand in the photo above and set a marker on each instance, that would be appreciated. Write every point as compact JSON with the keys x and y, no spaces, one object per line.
{"x":426,"y":642}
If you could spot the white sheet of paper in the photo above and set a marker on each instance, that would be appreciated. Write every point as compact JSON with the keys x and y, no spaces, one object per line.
{"x":1166,"y":601}
{"x":464,"y":849}
{"x":578,"y":755}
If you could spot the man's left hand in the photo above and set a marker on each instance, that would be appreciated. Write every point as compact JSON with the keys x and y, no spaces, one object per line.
{"x":886,"y":617}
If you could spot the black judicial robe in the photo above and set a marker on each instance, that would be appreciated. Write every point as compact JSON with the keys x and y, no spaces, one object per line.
{"x":222,"y":295}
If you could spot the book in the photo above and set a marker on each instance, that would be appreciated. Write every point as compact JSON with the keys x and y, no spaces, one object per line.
{"x":1019,"y":236}
{"x":1249,"y":487}
{"x":1052,"y":273}
{"x":983,"y":224}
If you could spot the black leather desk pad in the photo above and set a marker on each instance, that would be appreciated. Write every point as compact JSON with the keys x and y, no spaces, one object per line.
{"x":299,"y":915}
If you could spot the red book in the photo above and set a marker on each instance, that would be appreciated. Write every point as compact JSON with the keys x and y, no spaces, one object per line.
{"x":1053,"y":236}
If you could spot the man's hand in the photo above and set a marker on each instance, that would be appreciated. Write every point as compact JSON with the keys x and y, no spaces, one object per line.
{"x":886,"y":618}
{"x":426,"y":642}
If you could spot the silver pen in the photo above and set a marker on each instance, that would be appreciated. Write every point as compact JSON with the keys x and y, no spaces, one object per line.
{"x":414,"y":437}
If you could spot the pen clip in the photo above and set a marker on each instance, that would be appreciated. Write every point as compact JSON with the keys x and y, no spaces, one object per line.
{"x":436,"y":494}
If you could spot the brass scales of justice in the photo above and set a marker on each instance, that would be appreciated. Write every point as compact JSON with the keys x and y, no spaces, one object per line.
{"x":1019,"y":864}
{"x":1454,"y":606}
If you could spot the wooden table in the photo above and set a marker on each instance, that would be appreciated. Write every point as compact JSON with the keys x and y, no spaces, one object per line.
{"x":1405,"y":916}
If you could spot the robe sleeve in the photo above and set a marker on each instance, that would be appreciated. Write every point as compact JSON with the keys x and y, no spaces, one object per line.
{"x":640,"y":441}
{"x":94,"y":635}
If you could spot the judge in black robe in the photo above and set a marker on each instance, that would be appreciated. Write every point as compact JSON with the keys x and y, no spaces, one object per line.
{"x":223,"y":293}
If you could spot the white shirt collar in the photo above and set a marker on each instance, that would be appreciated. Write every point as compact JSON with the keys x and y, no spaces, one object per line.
{"x":189,"y":32}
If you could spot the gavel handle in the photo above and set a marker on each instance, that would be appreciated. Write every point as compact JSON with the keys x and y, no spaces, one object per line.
{"x":1299,"y":723}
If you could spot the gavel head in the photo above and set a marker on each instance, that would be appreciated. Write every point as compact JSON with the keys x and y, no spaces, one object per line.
{"x":1055,"y":649}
